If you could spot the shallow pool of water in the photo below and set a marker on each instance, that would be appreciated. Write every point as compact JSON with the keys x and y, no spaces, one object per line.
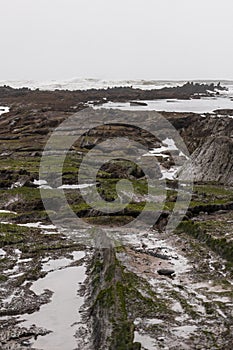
{"x":203,"y":105}
{"x":61,"y":315}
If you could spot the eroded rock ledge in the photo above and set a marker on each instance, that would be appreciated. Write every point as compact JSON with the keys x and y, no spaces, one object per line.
{"x":109,"y":322}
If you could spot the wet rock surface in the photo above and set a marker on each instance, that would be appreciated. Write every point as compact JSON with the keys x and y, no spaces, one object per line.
{"x":213,"y":160}
{"x":60,"y":99}
{"x":127,"y":299}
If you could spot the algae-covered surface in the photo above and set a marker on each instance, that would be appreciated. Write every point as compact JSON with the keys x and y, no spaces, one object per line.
{"x":154,"y":290}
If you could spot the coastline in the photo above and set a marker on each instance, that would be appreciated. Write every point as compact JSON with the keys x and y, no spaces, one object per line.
{"x":128,"y":296}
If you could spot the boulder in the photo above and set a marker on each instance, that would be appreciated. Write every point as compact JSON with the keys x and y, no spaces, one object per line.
{"x":166,"y":272}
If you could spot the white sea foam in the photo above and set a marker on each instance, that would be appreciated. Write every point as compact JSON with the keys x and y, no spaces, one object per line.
{"x":85,"y":84}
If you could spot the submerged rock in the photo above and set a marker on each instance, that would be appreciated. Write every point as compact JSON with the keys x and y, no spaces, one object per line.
{"x":138,"y":103}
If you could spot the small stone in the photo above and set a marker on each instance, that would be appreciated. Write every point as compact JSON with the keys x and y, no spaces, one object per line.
{"x":166,"y":272}
{"x":25,"y":343}
{"x":161,"y":339}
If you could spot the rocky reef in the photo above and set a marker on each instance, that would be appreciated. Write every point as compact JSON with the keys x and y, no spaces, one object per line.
{"x":159,"y":290}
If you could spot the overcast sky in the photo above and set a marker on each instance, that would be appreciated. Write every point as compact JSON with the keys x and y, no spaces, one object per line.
{"x":120,"y":39}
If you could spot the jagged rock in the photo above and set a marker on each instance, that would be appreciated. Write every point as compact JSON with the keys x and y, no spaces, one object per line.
{"x":23,"y":181}
{"x":158,"y":255}
{"x":111,"y":327}
{"x":224,"y":111}
{"x":213,"y":161}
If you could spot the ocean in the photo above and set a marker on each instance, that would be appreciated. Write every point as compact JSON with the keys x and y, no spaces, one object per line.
{"x":204,"y":105}
{"x":90,"y":83}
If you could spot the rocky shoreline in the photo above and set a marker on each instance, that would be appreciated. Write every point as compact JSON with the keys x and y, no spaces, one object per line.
{"x":130,"y":299}
{"x":71,"y":101}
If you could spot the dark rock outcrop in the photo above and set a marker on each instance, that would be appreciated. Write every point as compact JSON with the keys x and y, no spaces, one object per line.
{"x":64,"y":100}
{"x":111,"y":327}
{"x":213,"y":161}
{"x":166,"y":272}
